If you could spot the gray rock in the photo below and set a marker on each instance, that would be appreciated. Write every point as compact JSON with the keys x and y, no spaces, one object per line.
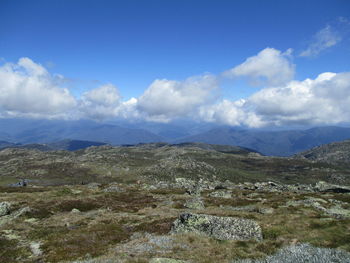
{"x":222,"y":228}
{"x":5,"y":208}
{"x":303,"y":253}
{"x":35,"y":248}
{"x":75,"y":211}
{"x":336,"y":210}
{"x":93,"y":185}
{"x":166,"y":260}
{"x":221,"y":194}
{"x":113,"y":188}
{"x":326,"y":187}
{"x":194,"y":203}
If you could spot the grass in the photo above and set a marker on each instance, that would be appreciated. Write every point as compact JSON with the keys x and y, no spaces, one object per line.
{"x":11,"y":251}
{"x":68,"y":244}
{"x":110,"y":219}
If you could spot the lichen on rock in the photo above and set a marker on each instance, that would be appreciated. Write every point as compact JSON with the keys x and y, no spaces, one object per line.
{"x":222,"y":228}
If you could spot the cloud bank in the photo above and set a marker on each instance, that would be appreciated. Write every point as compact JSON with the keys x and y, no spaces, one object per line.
{"x":27,"y":89}
{"x":323,"y":100}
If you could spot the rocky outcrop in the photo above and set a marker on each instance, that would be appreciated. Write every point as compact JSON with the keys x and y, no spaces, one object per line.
{"x":334,"y":208}
{"x":222,"y":228}
{"x":326,"y":187}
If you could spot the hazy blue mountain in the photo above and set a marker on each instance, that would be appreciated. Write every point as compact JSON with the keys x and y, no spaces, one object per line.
{"x":69,"y":145}
{"x":279,"y":143}
{"x":169,"y":131}
{"x":43,"y":131}
{"x":5,"y":144}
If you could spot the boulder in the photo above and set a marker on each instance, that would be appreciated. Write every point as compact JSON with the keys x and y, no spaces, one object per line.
{"x":5,"y":208}
{"x":222,"y":228}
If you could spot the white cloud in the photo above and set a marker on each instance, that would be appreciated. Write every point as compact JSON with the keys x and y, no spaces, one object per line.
{"x":324,"y":100}
{"x":270,"y":66}
{"x":234,"y":113}
{"x":100,"y":103}
{"x":28,"y":90}
{"x":166,"y":99}
{"x":325,"y":38}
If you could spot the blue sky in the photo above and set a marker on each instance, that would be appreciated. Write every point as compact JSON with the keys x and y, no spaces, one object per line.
{"x":130,"y":44}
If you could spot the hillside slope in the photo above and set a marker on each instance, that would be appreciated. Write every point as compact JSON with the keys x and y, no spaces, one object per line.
{"x":335,"y":153}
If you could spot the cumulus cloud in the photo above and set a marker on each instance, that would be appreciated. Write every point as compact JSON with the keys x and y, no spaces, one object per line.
{"x":166,"y":99}
{"x":270,"y":67}
{"x":100,"y":103}
{"x":233,"y":113}
{"x":27,"y":89}
{"x":324,"y":100}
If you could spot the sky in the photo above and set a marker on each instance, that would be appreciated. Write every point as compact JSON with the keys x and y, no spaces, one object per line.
{"x":248,"y":63}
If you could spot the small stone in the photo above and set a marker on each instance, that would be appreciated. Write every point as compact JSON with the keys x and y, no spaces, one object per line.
{"x":75,"y":211}
{"x":266,"y":210}
{"x":31,"y":220}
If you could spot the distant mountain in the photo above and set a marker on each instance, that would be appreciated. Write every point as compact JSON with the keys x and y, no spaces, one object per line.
{"x":5,"y":144}
{"x":277,"y":143}
{"x":169,"y":131}
{"x":68,"y":145}
{"x":337,"y":152}
{"x":43,"y":131}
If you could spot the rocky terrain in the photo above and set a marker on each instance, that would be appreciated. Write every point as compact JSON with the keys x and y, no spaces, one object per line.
{"x":161,"y":162}
{"x":171,"y":203}
{"x":336,"y":153}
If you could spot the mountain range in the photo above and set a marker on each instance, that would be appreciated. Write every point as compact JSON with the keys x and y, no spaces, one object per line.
{"x":266,"y":142}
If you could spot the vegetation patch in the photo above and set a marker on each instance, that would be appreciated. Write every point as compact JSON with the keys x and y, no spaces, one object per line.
{"x":62,"y":243}
{"x":10,"y":251}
